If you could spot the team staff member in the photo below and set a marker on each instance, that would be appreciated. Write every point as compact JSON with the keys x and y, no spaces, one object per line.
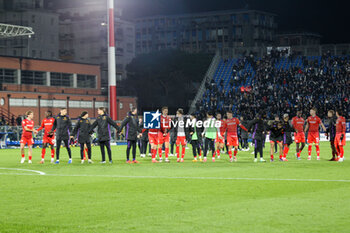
{"x":63,"y":127}
{"x":104,"y":123}
{"x":132,"y":132}
{"x":258,"y":127}
{"x":276,"y":137}
{"x":209,"y":134}
{"x":330,"y":133}
{"x":82,"y":132}
{"x":196,"y":139}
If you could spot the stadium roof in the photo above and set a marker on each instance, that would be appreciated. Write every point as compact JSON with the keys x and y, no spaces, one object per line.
{"x":206,"y":13}
{"x":9,"y":30}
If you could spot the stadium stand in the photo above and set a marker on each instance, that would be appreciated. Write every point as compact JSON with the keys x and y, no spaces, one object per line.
{"x":278,"y":83}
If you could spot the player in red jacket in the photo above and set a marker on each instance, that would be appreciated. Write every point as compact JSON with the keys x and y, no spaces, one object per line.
{"x":163,"y":134}
{"x":299,"y":135}
{"x":340,"y":135}
{"x":230,"y":126}
{"x":48,"y":138}
{"x":220,"y":136}
{"x":313,"y":136}
{"x":27,"y":136}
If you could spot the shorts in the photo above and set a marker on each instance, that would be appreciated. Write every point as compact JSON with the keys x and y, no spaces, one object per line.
{"x":153,"y":139}
{"x":219,"y":140}
{"x":278,"y":139}
{"x":338,"y":142}
{"x":181,"y":140}
{"x":299,"y":137}
{"x":287,"y":139}
{"x":163,"y":139}
{"x":313,"y":137}
{"x":49,"y":140}
{"x":25,"y":140}
{"x":232,"y":140}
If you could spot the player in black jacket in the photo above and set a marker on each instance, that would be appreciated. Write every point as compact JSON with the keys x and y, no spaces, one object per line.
{"x":287,"y":136}
{"x":104,"y":123}
{"x":132,"y":132}
{"x":196,"y":140}
{"x":276,"y":137}
{"x":63,"y":127}
{"x":82,"y":132}
{"x":258,"y":127}
{"x":331,"y":131}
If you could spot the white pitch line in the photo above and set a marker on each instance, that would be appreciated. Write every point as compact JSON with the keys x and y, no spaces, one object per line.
{"x":19,"y":169}
{"x":174,"y":177}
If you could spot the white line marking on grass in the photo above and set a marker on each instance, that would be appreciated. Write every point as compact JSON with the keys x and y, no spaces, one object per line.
{"x":174,"y":177}
{"x":18,"y":169}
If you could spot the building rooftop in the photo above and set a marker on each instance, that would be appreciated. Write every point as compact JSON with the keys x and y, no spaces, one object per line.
{"x":206,"y":13}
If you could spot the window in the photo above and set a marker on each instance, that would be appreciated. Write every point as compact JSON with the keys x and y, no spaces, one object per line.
{"x":86,"y":81}
{"x":80,"y":104}
{"x":61,"y":80}
{"x":33,"y":53}
{"x":33,"y":18}
{"x":8,"y":76}
{"x":23,"y":102}
{"x":130,"y":47}
{"x":33,"y":77}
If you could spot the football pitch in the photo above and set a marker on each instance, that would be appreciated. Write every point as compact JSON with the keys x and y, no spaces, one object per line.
{"x":293,"y":196}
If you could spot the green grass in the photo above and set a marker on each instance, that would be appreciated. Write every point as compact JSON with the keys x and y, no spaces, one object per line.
{"x":130,"y":198}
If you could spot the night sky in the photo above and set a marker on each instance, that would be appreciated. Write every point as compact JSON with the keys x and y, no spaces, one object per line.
{"x":328,"y":18}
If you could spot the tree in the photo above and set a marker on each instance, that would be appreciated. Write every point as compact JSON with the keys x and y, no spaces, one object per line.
{"x":166,"y":78}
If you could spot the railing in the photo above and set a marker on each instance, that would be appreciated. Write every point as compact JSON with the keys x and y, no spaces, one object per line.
{"x":11,"y":135}
{"x":7,"y":116}
{"x":208,"y":76}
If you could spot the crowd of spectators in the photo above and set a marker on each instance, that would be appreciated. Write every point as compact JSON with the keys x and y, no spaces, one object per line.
{"x":322,"y":82}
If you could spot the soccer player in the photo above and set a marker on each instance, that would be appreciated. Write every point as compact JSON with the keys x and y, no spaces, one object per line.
{"x":132,"y":133}
{"x":287,"y":136}
{"x":164,"y":134}
{"x":104,"y":123}
{"x":230,"y":127}
{"x":331,"y":132}
{"x":340,"y":139}
{"x":27,"y":135}
{"x":220,"y":136}
{"x":209,"y":134}
{"x":276,"y":137}
{"x":82,"y":132}
{"x":258,"y":127}
{"x":196,"y":139}
{"x":63,"y":127}
{"x":48,"y":138}
{"x":299,"y":136}
{"x":181,"y":134}
{"x":153,"y":141}
{"x":313,"y":123}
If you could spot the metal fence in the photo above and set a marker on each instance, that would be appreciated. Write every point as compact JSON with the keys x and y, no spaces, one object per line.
{"x":11,"y":135}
